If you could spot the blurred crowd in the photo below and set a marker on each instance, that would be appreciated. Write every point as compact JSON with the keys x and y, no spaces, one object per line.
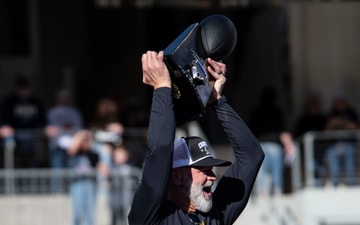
{"x":97,"y":150}
{"x":28,"y":124}
{"x":335,"y":156}
{"x":102,"y":144}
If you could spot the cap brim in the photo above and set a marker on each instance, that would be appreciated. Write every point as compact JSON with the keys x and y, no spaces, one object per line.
{"x":212,"y":162}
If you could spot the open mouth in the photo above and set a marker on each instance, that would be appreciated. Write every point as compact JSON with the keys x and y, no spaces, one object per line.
{"x":207,"y":192}
{"x":207,"y":189}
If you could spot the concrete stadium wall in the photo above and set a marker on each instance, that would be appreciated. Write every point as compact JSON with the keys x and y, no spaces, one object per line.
{"x":45,"y":210}
{"x":310,"y":206}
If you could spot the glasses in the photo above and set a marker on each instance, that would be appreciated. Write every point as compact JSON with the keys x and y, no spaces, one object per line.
{"x":195,"y":219}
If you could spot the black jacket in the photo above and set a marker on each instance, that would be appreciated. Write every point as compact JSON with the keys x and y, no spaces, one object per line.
{"x":150,"y":204}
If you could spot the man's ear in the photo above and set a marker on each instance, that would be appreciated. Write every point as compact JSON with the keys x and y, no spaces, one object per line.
{"x":176,"y":177}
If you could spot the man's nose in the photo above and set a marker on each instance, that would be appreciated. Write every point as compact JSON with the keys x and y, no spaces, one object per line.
{"x":211,"y":176}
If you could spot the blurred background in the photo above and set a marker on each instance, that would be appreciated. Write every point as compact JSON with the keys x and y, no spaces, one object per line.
{"x":71,"y":70}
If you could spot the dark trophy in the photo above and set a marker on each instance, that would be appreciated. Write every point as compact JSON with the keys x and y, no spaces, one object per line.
{"x":214,"y":37}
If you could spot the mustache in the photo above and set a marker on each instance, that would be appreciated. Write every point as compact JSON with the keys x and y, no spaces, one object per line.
{"x":208,"y":184}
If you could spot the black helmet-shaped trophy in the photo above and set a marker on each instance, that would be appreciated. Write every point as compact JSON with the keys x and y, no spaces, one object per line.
{"x":213,"y":37}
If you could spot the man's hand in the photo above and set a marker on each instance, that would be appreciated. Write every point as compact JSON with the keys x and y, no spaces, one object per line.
{"x":155,"y":72}
{"x":217,"y":71}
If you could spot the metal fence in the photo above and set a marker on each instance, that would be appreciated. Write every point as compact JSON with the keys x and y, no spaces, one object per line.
{"x":318,"y":147}
{"x":37,"y":194}
{"x":44,"y":196}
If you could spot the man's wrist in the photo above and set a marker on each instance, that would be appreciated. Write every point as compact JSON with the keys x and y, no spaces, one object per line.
{"x":163,"y":84}
{"x":222,"y":100}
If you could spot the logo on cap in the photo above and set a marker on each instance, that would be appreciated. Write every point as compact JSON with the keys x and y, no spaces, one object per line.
{"x":204,"y":148}
{"x":193,"y":151}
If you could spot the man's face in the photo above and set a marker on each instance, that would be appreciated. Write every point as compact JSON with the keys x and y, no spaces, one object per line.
{"x":197,"y":185}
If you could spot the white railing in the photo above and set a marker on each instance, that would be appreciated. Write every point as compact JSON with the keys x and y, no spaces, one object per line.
{"x":309,"y":140}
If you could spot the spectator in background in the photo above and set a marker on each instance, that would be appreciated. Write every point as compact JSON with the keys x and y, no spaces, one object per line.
{"x":313,"y":119}
{"x":121,"y":192}
{"x":135,"y":115}
{"x":84,"y":161}
{"x":342,"y":152}
{"x":22,"y":116}
{"x":106,"y":124}
{"x":136,"y":118}
{"x":106,"y":112}
{"x":268,"y":125}
{"x":63,"y":121}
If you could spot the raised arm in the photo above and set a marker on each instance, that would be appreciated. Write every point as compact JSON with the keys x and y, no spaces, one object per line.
{"x":234,"y":188}
{"x":160,"y":143}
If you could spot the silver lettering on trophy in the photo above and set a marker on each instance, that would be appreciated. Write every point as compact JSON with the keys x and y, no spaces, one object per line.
{"x":198,"y":73}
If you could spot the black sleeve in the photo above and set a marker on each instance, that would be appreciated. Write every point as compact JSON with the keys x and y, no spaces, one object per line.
{"x":152,"y":190}
{"x":234,"y":188}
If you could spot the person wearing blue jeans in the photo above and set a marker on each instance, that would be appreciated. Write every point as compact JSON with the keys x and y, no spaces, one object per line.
{"x":342,"y":117}
{"x":84,"y":161}
{"x":83,"y":194}
{"x":58,"y":161}
{"x":273,"y":166}
{"x":338,"y":154}
{"x":267,"y":123}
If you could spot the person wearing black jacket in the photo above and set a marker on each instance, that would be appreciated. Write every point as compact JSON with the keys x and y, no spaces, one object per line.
{"x":22,"y":116}
{"x":177,"y":175}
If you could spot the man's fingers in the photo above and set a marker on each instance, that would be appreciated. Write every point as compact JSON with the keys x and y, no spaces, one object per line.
{"x":160,"y":56}
{"x":213,"y":72}
{"x":153,"y":55}
{"x":217,"y":67}
{"x":143,"y":59}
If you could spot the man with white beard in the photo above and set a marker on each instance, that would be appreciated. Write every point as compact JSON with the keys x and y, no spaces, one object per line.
{"x":177,"y":175}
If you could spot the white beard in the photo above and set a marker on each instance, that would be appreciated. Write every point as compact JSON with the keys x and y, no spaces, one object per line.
{"x":196,"y":195}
